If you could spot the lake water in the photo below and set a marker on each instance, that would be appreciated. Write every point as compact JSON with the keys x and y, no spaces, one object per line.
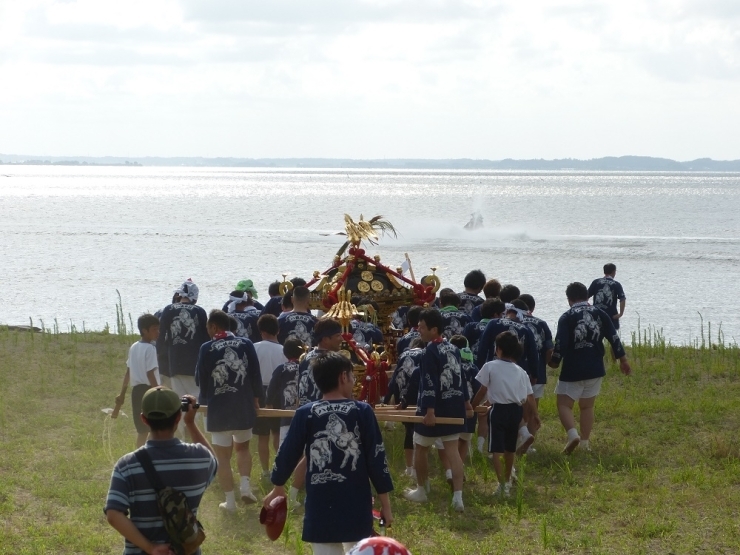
{"x":71,"y":236}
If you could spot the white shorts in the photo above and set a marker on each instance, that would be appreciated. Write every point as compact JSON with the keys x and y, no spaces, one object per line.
{"x":466,"y":436}
{"x":538,"y":390}
{"x":283,"y":434}
{"x":224,"y":439}
{"x":426,"y":441}
{"x":583,"y":389}
{"x":331,"y":548}
{"x":184,"y":385}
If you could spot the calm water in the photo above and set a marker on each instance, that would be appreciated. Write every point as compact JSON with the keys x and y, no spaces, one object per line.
{"x":69,"y":237}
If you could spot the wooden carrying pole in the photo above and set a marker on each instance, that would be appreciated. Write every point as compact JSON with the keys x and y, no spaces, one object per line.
{"x":381,"y":416}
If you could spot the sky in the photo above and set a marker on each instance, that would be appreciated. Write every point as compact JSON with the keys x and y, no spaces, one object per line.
{"x":370,"y":79}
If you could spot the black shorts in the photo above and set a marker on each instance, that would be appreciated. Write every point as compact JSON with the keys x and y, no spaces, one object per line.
{"x":408,"y":438}
{"x":137,"y":394}
{"x":503,"y":427}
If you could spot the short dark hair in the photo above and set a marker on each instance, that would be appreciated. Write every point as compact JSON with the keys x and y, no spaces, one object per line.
{"x":492,"y":288}
{"x":433,"y":319}
{"x":326,"y":327}
{"x":267,"y":323}
{"x":301,"y":293}
{"x":576,"y":291}
{"x":327,"y":367}
{"x":146,"y":321}
{"x":609,"y":269}
{"x":447,"y":297}
{"x":233,"y":324}
{"x":219,"y":319}
{"x":162,"y":424}
{"x":528,"y":300}
{"x":475,"y":280}
{"x":273,"y":290}
{"x":491,"y":307}
{"x":509,"y":344}
{"x":412,"y":316}
{"x":509,"y":292}
{"x":520,"y":304}
{"x":287,"y":301}
{"x":293,"y":347}
{"x":459,"y":341}
{"x":298,"y":281}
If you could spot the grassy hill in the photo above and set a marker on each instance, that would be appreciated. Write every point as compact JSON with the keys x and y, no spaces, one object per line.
{"x":663,"y":476}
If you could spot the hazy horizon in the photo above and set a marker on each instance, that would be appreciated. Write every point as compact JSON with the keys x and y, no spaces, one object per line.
{"x":400,"y":79}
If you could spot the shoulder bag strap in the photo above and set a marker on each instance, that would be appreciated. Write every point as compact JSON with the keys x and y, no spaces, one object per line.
{"x":151,"y":473}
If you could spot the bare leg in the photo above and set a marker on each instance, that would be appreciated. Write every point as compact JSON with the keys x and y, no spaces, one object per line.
{"x":141,"y":439}
{"x":587,"y":416}
{"x":263,"y":449}
{"x":275,"y":442}
{"x":565,"y":411}
{"x":463,"y":448}
{"x":455,"y":462}
{"x":421,"y":464}
{"x":225,"y":477}
{"x":408,"y":454}
{"x":509,"y":461}
{"x":498,"y":468}
{"x":243,"y":459}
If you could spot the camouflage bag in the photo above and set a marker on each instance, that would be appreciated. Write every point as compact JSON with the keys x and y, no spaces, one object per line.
{"x":185,"y":531}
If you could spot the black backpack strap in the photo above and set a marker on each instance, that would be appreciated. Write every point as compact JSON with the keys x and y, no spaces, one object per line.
{"x":151,"y":473}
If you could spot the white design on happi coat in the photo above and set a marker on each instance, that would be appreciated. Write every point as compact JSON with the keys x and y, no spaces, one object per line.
{"x":587,"y":328}
{"x":604,"y":297}
{"x":359,"y":338}
{"x":402,"y":377}
{"x":290,"y":394}
{"x":229,"y":363}
{"x":183,"y":321}
{"x":454,"y":328}
{"x":397,"y":320}
{"x":539,"y":341}
{"x":301,"y":333}
{"x":446,"y":378}
{"x":337,"y":433}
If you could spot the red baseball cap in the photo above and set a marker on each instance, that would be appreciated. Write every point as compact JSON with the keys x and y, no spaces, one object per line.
{"x":274,"y":516}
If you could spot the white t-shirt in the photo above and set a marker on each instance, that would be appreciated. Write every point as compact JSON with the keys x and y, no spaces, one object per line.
{"x":270,"y":354}
{"x":505,"y":381}
{"x":142,"y":357}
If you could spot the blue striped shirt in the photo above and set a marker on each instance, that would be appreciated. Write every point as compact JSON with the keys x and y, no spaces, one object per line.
{"x":186,"y":467}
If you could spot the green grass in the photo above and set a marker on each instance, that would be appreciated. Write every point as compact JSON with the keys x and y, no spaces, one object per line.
{"x":663,"y":477}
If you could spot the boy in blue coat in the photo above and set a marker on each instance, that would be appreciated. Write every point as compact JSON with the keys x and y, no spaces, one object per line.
{"x":228,"y":373}
{"x":341,"y":440}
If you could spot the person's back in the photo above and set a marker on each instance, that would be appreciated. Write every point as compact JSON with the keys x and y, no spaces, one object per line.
{"x":543,"y":339}
{"x":529,"y":360}
{"x":404,"y":384}
{"x":608,"y":293}
{"x":186,"y":467}
{"x":182,"y":330}
{"x":345,"y":454}
{"x":454,"y":319}
{"x":474,"y":282}
{"x":412,"y":318}
{"x":299,"y":322}
{"x":366,"y":333}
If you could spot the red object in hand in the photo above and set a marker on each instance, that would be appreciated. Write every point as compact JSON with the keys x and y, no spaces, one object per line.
{"x":274,"y":517}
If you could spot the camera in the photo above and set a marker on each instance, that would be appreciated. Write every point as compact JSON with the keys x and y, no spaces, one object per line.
{"x":185,"y":403}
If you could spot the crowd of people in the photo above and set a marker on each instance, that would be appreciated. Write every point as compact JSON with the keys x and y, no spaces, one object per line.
{"x":465,"y":351}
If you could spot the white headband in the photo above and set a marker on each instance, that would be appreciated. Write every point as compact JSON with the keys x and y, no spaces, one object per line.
{"x":236,"y":300}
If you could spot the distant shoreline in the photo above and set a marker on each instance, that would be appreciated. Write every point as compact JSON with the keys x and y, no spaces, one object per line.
{"x":609,"y":163}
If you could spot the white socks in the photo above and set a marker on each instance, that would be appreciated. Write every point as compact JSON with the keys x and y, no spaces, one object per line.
{"x":572,"y":434}
{"x":230,"y":501}
{"x":293,"y":494}
{"x":524,"y":432}
{"x":457,"y":496}
{"x":448,"y":474}
{"x":481,"y":443}
{"x":245,"y":485}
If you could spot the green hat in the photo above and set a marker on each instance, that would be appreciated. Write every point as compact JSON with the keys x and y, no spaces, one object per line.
{"x":248,"y":286}
{"x":159,"y":403}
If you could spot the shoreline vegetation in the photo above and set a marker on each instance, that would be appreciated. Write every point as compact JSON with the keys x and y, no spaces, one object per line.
{"x":663,"y":476}
{"x":607,"y":163}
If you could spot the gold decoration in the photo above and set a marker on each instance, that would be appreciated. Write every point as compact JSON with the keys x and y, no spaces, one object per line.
{"x":367,"y":276}
{"x":376,"y":285}
{"x":363,"y":287}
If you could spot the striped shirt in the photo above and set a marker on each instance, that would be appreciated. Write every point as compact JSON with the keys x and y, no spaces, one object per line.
{"x":187,"y":467}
